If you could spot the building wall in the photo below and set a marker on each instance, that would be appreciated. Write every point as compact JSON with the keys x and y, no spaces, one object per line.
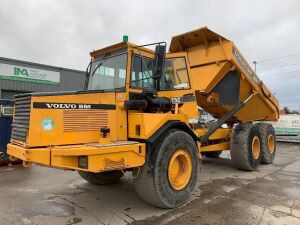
{"x":69,"y":80}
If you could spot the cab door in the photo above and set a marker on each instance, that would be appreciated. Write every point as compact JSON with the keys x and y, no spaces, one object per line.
{"x":175,"y":84}
{"x":139,"y":75}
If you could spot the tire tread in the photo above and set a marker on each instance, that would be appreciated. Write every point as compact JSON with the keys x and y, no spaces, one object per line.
{"x":239,"y":147}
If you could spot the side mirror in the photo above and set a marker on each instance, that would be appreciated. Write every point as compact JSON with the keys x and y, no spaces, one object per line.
{"x":159,"y":61}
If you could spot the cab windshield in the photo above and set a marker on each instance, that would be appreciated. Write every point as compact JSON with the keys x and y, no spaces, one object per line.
{"x":108,"y":72}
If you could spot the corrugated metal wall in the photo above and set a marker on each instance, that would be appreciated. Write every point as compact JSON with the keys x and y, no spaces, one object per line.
{"x":69,"y":79}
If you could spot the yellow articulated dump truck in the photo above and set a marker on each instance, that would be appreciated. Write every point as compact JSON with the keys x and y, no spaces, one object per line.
{"x":135,"y":115}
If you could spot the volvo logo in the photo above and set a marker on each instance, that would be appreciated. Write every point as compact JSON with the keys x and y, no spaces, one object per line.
{"x":67,"y":106}
{"x":70,"y":106}
{"x":244,"y":65}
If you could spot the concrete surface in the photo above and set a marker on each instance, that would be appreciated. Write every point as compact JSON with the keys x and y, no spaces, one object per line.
{"x":270,"y":195}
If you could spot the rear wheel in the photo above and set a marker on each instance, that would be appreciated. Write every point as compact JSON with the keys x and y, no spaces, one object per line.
{"x":101,"y":178}
{"x":245,"y":147}
{"x":170,"y":172}
{"x":268,"y":142}
{"x":214,"y":154}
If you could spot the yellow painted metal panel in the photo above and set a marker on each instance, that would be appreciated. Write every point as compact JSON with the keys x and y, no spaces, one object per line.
{"x":37,"y":155}
{"x":150,"y":122}
{"x":218,"y":134}
{"x":99,"y":158}
{"x":17,"y":152}
{"x":215,"y":147}
{"x":77,"y":126}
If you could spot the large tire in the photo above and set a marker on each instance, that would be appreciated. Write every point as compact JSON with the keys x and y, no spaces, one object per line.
{"x":245,"y":147}
{"x":214,"y":154}
{"x":268,"y":142}
{"x":101,"y":178}
{"x":154,"y":182}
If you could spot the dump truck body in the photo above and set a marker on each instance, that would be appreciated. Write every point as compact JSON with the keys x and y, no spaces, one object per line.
{"x":219,"y":70}
{"x":136,"y":111}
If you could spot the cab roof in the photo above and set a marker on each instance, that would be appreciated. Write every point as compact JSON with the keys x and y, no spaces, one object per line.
{"x":118,"y":46}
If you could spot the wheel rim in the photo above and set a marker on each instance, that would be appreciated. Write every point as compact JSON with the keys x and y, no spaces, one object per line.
{"x":271,"y":143}
{"x":180,"y":169}
{"x":255,"y":147}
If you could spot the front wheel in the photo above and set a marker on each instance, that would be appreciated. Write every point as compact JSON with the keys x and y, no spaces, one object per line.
{"x":170,"y":172}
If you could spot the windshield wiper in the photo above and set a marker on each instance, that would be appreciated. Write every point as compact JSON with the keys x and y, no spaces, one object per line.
{"x":100,"y":64}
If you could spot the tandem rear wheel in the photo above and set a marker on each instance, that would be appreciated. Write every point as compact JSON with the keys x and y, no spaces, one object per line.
{"x":252,"y":144}
{"x":268,"y":142}
{"x":169,"y":175}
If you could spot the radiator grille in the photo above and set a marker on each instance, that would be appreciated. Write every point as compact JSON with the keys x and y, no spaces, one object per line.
{"x":84,"y":120}
{"x":21,"y":121}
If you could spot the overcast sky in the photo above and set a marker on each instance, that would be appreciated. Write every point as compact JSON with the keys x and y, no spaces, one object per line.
{"x":62,"y":33}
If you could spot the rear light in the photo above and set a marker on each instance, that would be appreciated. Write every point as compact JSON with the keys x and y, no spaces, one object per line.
{"x":83,"y":162}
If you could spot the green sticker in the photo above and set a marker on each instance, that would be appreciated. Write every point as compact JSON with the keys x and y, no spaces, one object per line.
{"x":47,"y":124}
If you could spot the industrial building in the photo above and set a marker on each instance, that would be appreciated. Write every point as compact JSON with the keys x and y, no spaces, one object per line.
{"x":18,"y":77}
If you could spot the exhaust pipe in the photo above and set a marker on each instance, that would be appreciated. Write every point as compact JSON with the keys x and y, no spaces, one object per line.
{"x":1,"y":154}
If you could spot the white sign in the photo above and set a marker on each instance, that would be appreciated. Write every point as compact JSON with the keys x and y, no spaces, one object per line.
{"x":287,"y":124}
{"x":20,"y":73}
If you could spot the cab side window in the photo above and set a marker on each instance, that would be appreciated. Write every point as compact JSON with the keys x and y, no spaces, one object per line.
{"x":141,"y":72}
{"x":176,"y":75}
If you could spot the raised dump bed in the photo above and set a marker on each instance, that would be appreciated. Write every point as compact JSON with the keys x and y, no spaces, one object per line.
{"x":222,"y":78}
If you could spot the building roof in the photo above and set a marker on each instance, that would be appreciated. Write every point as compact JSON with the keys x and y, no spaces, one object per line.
{"x":39,"y":64}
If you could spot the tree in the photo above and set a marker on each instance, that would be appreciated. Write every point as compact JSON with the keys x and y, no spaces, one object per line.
{"x":288,"y":111}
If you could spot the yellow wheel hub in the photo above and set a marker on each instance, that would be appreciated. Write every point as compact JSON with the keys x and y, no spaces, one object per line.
{"x":255,"y":147}
{"x":271,"y":143}
{"x":180,"y":169}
